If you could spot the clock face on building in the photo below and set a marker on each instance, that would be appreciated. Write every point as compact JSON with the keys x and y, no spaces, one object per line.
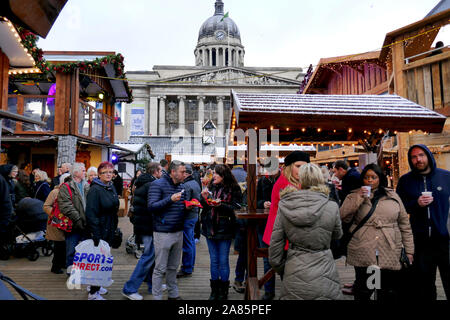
{"x":220,"y":35}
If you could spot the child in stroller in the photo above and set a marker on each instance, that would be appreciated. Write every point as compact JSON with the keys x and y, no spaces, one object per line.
{"x":27,"y":231}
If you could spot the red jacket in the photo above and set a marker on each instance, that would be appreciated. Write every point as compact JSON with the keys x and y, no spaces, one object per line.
{"x":281,"y":183}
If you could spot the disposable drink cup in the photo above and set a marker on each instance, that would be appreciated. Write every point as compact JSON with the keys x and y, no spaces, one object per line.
{"x":368,"y":188}
{"x":427,"y":193}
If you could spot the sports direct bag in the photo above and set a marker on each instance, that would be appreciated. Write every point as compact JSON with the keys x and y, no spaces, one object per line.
{"x":57,"y":219}
{"x":92,"y":265}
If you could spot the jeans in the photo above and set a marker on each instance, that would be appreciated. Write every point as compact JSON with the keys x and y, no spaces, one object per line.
{"x":188,"y":260}
{"x":219,"y":251}
{"x":143,"y":268}
{"x":168,"y":248}
{"x":72,"y":240}
{"x":429,"y":256}
{"x":269,"y":286}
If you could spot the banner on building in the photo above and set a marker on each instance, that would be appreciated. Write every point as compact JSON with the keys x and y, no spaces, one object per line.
{"x":118,"y":113}
{"x":137,"y":120}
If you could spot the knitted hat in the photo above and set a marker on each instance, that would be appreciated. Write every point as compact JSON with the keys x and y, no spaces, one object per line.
{"x":188,"y":168}
{"x":296,"y":156}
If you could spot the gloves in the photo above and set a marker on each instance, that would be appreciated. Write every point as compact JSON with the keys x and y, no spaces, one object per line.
{"x":96,"y":241}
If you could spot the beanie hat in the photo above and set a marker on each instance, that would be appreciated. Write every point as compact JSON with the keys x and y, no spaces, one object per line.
{"x":296,"y":156}
{"x":188,"y":168}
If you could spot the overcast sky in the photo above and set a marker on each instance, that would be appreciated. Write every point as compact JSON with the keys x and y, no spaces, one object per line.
{"x":274,"y":32}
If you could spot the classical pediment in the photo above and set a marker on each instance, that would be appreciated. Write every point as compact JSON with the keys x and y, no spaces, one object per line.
{"x":230,"y":76}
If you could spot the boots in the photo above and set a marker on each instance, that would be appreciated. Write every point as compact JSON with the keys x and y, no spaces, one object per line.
{"x":223,"y":290}
{"x":215,"y":287}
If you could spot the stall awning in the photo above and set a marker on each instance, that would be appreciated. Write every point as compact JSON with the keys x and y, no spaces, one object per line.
{"x":349,"y":115}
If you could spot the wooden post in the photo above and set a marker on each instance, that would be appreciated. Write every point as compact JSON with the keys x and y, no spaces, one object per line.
{"x":252,"y":153}
{"x":4,"y":80}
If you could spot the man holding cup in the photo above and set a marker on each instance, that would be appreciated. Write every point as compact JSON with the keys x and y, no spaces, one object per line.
{"x":425,"y":192}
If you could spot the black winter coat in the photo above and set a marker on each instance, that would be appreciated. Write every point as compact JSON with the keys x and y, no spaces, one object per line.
{"x":6,"y":208}
{"x":41,"y":190}
{"x":264,"y":190}
{"x":142,"y":219}
{"x":5,"y":170}
{"x":350,"y":181}
{"x":102,"y":205}
{"x":219,"y":223}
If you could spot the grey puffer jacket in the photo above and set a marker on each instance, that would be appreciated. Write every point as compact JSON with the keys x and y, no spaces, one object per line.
{"x":309,"y":221}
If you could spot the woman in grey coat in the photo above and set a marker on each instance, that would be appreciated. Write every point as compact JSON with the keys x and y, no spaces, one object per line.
{"x":308,"y":220}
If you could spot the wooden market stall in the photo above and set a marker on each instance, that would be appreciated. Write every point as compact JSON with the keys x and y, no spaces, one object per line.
{"x":315,"y":119}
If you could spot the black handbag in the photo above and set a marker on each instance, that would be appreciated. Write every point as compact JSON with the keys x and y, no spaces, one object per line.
{"x":117,"y":239}
{"x":339,"y":247}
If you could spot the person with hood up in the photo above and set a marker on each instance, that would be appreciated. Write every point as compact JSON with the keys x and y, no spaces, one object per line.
{"x":309,"y":220}
{"x":6,"y":214}
{"x":425,"y":192}
{"x":9,"y":172}
{"x":102,"y":205}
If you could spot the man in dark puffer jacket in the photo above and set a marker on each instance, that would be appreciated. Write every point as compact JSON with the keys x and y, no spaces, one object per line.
{"x":143,"y":229}
{"x":165,"y":202}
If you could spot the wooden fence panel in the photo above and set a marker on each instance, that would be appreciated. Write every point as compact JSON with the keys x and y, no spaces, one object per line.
{"x":436,"y":78}
{"x":446,"y":82}
{"x":428,"y":90}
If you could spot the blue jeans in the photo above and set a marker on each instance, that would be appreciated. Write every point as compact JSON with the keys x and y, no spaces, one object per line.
{"x":269,"y":286}
{"x":219,"y":251}
{"x":72,"y":240}
{"x":143,"y":269}
{"x":188,"y":260}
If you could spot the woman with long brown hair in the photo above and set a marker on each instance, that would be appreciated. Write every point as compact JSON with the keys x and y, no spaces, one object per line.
{"x":219,"y":201}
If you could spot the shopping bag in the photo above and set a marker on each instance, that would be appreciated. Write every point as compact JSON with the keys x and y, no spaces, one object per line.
{"x":92,"y":265}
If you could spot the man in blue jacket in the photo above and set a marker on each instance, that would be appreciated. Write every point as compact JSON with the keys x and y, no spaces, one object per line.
{"x":428,"y":217}
{"x":165,"y":202}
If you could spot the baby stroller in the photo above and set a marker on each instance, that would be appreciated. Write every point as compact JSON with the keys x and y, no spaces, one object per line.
{"x":28,"y":230}
{"x":133,"y":247}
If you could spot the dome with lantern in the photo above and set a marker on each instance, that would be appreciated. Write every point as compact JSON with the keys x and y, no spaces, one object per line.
{"x":218,"y":22}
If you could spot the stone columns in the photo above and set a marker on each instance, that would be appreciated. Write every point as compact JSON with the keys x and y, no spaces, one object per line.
{"x":220,"y":124}
{"x":67,"y":149}
{"x":153,"y":116}
{"x":181,"y":113}
{"x":225,"y":56}
{"x":204,"y":63}
{"x":210,"y":56}
{"x":162,"y":116}
{"x":201,"y":115}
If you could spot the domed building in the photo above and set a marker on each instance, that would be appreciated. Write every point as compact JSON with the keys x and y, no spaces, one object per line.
{"x":219,"y":41}
{"x":176,"y":106}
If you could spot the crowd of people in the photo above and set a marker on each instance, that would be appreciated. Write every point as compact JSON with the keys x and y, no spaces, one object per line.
{"x":311,"y":209}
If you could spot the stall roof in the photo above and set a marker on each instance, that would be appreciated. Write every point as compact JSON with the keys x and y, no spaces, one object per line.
{"x":333,"y":112}
{"x":130,"y":147}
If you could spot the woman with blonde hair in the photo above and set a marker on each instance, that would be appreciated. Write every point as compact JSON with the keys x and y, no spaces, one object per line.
{"x":41,"y":187}
{"x":308,"y":220}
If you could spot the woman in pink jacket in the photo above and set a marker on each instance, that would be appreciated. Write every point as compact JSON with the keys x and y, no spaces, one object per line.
{"x":289,"y":176}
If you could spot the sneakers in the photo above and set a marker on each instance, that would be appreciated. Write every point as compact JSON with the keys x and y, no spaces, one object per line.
{"x":95,"y":296}
{"x":101,"y":291}
{"x":176,"y":298}
{"x":133,"y":296}
{"x":56,"y":270}
{"x":164,"y":287}
{"x":239,"y":287}
{"x":182,"y":274}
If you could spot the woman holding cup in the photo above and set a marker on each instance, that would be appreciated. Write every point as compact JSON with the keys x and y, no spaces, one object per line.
{"x":219,"y":201}
{"x":380,"y":240}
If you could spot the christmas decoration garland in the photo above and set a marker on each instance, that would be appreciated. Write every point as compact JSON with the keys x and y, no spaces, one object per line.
{"x":29,"y":40}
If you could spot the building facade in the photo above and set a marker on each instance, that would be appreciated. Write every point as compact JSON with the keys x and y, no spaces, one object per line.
{"x":173,"y":103}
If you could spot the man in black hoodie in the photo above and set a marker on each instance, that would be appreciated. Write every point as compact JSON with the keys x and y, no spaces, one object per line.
{"x":428,"y":217}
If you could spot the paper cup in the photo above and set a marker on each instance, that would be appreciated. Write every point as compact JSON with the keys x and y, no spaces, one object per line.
{"x":427,"y":193}
{"x":368,"y":188}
